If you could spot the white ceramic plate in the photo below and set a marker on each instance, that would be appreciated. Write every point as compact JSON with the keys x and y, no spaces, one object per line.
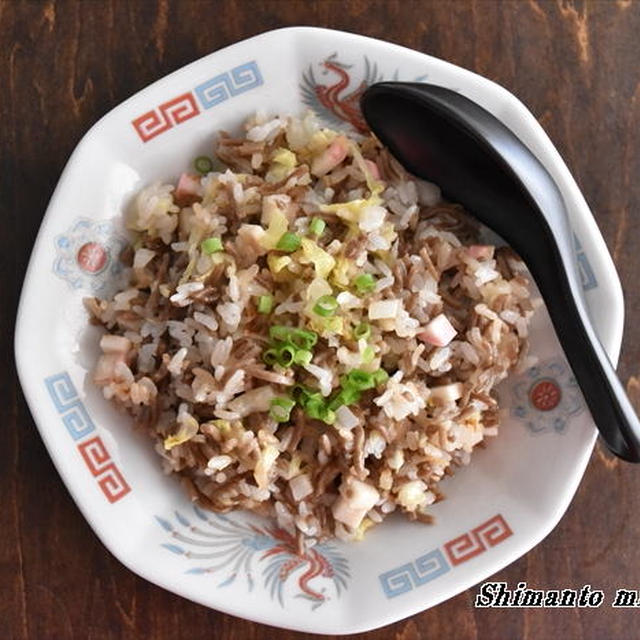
{"x":498,"y":508}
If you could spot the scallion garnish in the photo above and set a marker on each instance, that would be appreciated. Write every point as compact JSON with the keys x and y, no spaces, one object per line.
{"x":286,"y":355}
{"x":365,"y":283}
{"x":280,"y":410}
{"x":380,"y":377}
{"x":203,"y":164}
{"x":362,"y":331}
{"x":344,"y":396}
{"x":302,"y":338}
{"x":358,"y":380}
{"x":325,"y":306}
{"x":211,"y":245}
{"x":289,"y":242}
{"x":302,"y":357}
{"x":270,"y":357}
{"x":265,"y":304}
{"x":317,"y":226}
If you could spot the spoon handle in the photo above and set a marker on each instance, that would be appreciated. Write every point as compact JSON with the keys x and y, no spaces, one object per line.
{"x":604,"y":394}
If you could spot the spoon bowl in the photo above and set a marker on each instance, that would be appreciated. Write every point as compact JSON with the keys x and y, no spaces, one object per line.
{"x":442,"y":136}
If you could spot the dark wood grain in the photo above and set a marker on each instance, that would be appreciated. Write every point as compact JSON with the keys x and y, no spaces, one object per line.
{"x":65,"y":64}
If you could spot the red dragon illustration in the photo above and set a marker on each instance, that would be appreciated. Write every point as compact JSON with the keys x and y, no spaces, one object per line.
{"x":233,"y":545}
{"x":317,"y":563}
{"x":337,"y":102}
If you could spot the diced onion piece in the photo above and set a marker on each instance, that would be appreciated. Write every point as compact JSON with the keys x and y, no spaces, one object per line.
{"x":446,"y":393}
{"x":342,"y":512}
{"x":252,"y":232}
{"x":356,"y":498}
{"x":254,"y":401}
{"x":384,"y":309}
{"x":360,"y":495}
{"x":300,"y":487}
{"x":438,"y":332}
{"x":142,"y":257}
{"x":372,"y":218}
{"x":412,"y":494}
{"x":345,"y":418}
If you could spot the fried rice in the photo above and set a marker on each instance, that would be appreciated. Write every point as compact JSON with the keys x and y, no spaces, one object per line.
{"x":309,"y":332}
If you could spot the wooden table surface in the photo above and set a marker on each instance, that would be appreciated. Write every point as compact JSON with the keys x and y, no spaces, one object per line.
{"x":65,"y":64}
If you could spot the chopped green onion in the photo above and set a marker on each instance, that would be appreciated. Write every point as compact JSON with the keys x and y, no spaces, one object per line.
{"x":314,"y":407}
{"x":325,"y":306}
{"x":286,"y":355}
{"x":362,"y":331}
{"x":365,"y":283}
{"x":317,"y":226}
{"x":358,"y":379}
{"x":303,"y":394}
{"x":344,"y":396}
{"x":211,"y":245}
{"x":299,"y":392}
{"x":270,"y":357}
{"x":300,"y":338}
{"x":265,"y":304}
{"x":303,"y":338}
{"x":303,"y":356}
{"x":368,"y":354}
{"x":317,"y":409}
{"x":203,"y":164}
{"x":280,"y":332}
{"x":328,"y":416}
{"x":280,"y":410}
{"x":289,"y":242}
{"x":380,"y":377}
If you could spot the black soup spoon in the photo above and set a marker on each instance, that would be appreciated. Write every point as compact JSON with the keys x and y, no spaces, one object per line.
{"x":440,"y":135}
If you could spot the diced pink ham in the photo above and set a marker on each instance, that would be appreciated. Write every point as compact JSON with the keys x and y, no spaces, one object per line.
{"x":373,"y":169}
{"x":331,"y":157}
{"x":480,"y":251}
{"x":188,"y":189}
{"x":439,"y":332}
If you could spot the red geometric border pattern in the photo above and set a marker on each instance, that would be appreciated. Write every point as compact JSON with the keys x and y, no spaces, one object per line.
{"x":157,"y":121}
{"x":493,"y":531}
{"x":475,"y":542}
{"x":113,"y":484}
{"x":77,"y":421}
{"x":222,"y":86}
{"x":464,"y":548}
{"x":99,"y":462}
{"x":94,"y":454}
